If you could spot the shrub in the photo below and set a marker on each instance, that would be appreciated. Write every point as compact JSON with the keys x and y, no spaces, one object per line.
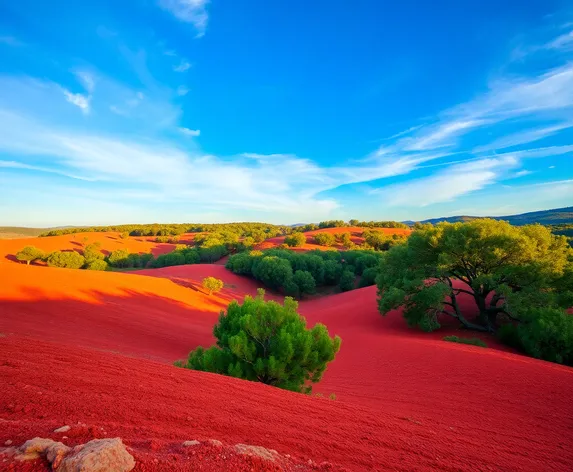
{"x":324,"y":239}
{"x":546,"y":333}
{"x":124,"y":235}
{"x":212,"y":284}
{"x":96,"y":264}
{"x":368,"y":277}
{"x":92,"y":253}
{"x":295,"y":240}
{"x":68,"y":259}
{"x":471,"y":341}
{"x":305,"y":282}
{"x":119,"y":258}
{"x":29,"y":254}
{"x":347,"y":280}
{"x":269,"y":343}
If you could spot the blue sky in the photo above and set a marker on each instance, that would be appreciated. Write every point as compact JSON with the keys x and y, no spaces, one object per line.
{"x":282,"y":111}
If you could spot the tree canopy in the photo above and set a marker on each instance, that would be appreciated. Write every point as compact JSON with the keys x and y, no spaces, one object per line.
{"x":295,"y":240}
{"x":213,"y":284}
{"x":29,"y":254}
{"x":507,"y":270}
{"x":269,"y":343}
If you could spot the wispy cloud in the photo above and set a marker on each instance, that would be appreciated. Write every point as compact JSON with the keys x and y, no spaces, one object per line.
{"x":563,"y":41}
{"x":190,"y":132}
{"x":189,"y":11}
{"x":79,"y":100}
{"x":182,"y":66}
{"x":86,"y":79}
{"x":182,"y":90}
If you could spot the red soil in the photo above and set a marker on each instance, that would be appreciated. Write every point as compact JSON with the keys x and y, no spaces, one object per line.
{"x":109,"y":241}
{"x":405,"y":400}
{"x":355,"y":231}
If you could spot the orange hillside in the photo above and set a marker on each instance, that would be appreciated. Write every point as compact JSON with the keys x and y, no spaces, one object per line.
{"x":110,"y":241}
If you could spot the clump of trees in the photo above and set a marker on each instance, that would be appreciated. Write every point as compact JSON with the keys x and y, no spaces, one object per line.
{"x":295,"y":240}
{"x":325,"y":239}
{"x":30,"y":254}
{"x":299,"y":274}
{"x":519,"y":278}
{"x":267,"y":342}
{"x":382,"y":242}
{"x":212,"y":284}
{"x":65,"y":259}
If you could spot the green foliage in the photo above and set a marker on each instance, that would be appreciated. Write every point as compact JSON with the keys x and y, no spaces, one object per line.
{"x":380,"y":241}
{"x":545,"y":333}
{"x":96,"y":264}
{"x":119,"y":258}
{"x":276,"y":268}
{"x":368,"y":277}
{"x":305,"y":282}
{"x":295,"y":240}
{"x":67,"y":259}
{"x":124,"y":235}
{"x":29,"y":254}
{"x":92,"y":254}
{"x":212,"y":284}
{"x":471,"y":341}
{"x":269,"y":343}
{"x":332,"y":224}
{"x":509,"y":271}
{"x":347,"y":281}
{"x":325,"y":239}
{"x":346,"y":240}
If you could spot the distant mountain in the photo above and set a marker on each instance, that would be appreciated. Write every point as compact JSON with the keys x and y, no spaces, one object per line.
{"x":545,"y":217}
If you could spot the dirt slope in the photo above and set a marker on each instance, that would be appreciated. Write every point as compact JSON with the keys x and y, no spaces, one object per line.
{"x":109,"y":241}
{"x":405,"y":400}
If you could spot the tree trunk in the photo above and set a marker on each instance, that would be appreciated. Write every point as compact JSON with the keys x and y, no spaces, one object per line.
{"x":27,"y":262}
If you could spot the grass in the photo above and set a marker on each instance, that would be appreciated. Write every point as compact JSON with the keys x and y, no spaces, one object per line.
{"x":471,"y":341}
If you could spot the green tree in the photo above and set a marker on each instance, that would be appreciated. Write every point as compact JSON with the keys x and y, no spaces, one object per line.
{"x":325,"y":239}
{"x":67,"y":259}
{"x":92,"y":253}
{"x":505,"y":269}
{"x":96,"y":264}
{"x":347,"y":280}
{"x":124,"y":235}
{"x":305,"y":282}
{"x":272,"y":271}
{"x":295,"y":240}
{"x":212,"y":284}
{"x":119,"y":258}
{"x":346,"y":240}
{"x":269,"y":343}
{"x":29,"y":254}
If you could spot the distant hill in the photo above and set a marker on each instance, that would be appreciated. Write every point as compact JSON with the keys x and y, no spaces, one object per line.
{"x":17,"y":232}
{"x":545,"y":217}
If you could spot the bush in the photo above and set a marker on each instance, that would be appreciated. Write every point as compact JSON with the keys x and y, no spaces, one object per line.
{"x":119,"y":258}
{"x":295,"y":240}
{"x":124,"y":235}
{"x":68,"y":259}
{"x":29,"y":254}
{"x":347,"y":280}
{"x":269,"y":343}
{"x":212,"y":284}
{"x":471,"y":341}
{"x":92,"y":253}
{"x":324,"y":239}
{"x":546,"y":333}
{"x":305,"y":282}
{"x":96,"y":264}
{"x":368,"y":277}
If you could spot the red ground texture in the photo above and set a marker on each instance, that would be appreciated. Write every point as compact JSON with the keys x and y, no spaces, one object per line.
{"x":93,"y":350}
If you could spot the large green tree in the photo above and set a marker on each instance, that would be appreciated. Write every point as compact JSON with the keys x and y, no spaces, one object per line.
{"x":506,"y":270}
{"x":269,"y":343}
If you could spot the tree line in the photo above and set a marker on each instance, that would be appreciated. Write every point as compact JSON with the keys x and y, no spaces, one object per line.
{"x":299,"y":274}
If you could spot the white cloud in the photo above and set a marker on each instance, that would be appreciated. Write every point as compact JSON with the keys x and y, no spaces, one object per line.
{"x":79,"y":100}
{"x":565,"y":40}
{"x":189,"y":11}
{"x":522,"y":173}
{"x":182,"y":90}
{"x":86,"y":79}
{"x":447,"y":185}
{"x":182,"y":66}
{"x":190,"y":132}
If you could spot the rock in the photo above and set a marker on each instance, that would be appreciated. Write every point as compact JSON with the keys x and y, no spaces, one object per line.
{"x":8,"y":442}
{"x":258,"y":451}
{"x":214,"y":442}
{"x":63,"y":429}
{"x":191,"y":443}
{"x":98,"y":455}
{"x":37,"y":447}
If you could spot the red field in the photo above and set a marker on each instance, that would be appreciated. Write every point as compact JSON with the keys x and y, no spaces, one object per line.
{"x":95,"y":348}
